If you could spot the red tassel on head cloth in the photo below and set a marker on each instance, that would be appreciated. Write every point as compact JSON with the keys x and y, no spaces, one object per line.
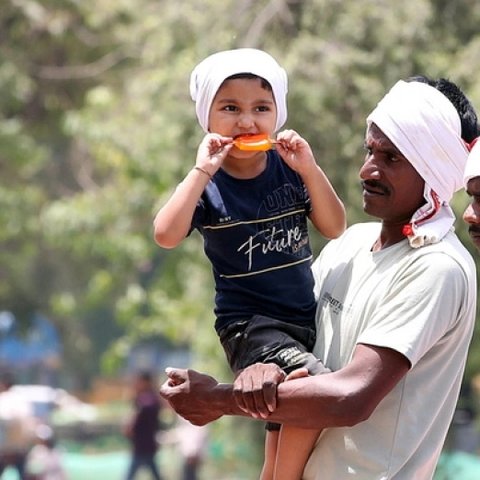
{"x":471,"y":144}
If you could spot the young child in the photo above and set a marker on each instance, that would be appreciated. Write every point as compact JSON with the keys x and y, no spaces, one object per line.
{"x":251,"y":208}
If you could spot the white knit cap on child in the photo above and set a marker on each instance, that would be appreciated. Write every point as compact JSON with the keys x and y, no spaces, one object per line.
{"x":209,"y":74}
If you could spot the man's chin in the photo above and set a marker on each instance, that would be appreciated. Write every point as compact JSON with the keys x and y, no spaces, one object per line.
{"x":370,"y":209}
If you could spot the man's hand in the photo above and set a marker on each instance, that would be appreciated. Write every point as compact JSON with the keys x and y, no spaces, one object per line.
{"x":255,"y":389}
{"x":192,"y":395}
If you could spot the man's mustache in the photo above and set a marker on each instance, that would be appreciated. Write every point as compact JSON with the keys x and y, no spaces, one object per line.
{"x":374,"y":185}
{"x":475,"y":229}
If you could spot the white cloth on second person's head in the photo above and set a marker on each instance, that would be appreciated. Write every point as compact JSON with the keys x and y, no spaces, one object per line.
{"x":209,"y":74}
{"x":472,"y":169}
{"x":425,"y":126}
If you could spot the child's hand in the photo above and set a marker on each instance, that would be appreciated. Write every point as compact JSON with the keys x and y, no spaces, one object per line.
{"x":295,"y":151}
{"x":212,"y":151}
{"x":298,"y":373}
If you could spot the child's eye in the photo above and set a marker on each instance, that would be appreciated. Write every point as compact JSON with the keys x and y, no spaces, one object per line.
{"x":263,"y":108}
{"x":230,"y":108}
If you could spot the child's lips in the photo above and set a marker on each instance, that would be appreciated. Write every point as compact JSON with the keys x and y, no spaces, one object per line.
{"x":239,"y":135}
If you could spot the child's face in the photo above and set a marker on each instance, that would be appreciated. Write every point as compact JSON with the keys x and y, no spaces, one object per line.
{"x":243,"y":106}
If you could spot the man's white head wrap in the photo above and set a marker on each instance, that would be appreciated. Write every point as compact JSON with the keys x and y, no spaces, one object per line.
{"x":472,"y":169}
{"x":208,"y":76}
{"x":425,"y":126}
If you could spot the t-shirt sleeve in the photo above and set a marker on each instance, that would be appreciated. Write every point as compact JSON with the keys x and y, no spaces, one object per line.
{"x":199,"y":215}
{"x":422,"y":306}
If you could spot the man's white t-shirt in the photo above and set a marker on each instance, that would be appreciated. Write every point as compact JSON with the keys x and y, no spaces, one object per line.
{"x":419,"y":302}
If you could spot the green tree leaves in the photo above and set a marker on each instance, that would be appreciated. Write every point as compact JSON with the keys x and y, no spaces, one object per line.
{"x":97,"y":128}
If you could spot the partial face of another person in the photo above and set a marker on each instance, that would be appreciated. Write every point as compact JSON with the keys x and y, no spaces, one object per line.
{"x":243,"y":106}
{"x":472,"y":212}
{"x":392,"y":188}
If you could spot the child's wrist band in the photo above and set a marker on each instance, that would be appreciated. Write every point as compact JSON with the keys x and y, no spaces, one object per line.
{"x":200,"y":169}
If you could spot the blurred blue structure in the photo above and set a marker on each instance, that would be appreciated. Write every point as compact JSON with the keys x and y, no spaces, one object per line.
{"x":34,"y":355}
{"x":156,"y":354}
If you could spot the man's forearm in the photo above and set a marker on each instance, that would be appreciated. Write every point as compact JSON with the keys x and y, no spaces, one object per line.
{"x":292,"y":399}
{"x":200,"y":399}
{"x":338,"y":399}
{"x":319,"y":409}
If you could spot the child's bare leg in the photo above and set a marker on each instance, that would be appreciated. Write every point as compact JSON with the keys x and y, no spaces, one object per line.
{"x":271,"y":440}
{"x":293,"y":450}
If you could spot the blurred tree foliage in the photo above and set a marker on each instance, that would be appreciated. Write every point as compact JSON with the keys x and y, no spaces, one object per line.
{"x":97,"y":128}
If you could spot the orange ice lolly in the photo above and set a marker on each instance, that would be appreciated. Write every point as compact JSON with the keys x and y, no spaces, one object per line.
{"x":260,"y":142}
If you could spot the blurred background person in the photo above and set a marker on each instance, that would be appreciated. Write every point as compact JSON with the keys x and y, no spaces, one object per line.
{"x":143,"y":427}
{"x":44,"y":462}
{"x":192,"y":441}
{"x":17,"y":424}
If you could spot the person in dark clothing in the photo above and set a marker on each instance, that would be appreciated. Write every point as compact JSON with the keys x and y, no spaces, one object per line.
{"x":143,"y":427}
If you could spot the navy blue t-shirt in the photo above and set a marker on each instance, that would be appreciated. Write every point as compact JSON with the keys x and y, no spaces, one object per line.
{"x":256,"y":237}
